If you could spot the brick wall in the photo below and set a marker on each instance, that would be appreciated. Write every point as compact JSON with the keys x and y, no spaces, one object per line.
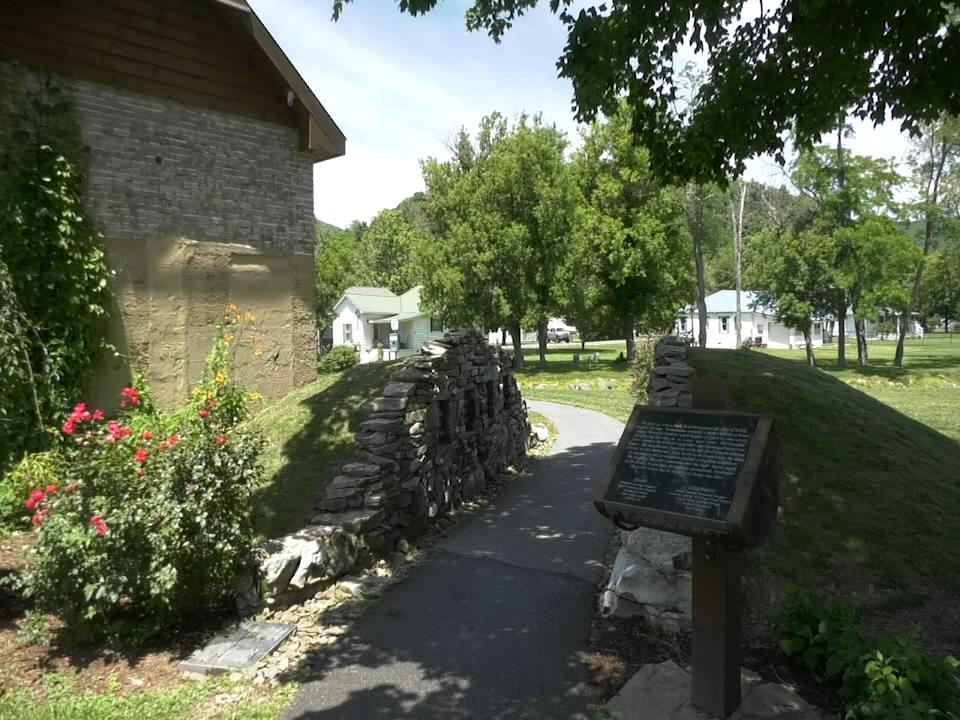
{"x":161,"y":168}
{"x":198,"y":209}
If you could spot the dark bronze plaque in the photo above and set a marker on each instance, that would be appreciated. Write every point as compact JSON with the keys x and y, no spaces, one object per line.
{"x":683,"y":463}
{"x":695,"y":472}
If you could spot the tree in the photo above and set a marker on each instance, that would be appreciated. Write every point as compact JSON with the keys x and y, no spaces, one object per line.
{"x":387,"y":250}
{"x":940,"y":292}
{"x":849,"y":190}
{"x":502,"y":209}
{"x":338,"y":264}
{"x":736,"y":220}
{"x":630,"y":262}
{"x":932,"y":159}
{"x":792,"y":69}
{"x":794,"y":275}
{"x":702,"y":212}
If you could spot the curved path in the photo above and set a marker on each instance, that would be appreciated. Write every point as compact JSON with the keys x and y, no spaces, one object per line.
{"x":493,"y":626}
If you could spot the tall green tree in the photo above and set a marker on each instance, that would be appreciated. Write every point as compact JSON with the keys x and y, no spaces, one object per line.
{"x":791,"y":69}
{"x":388,"y":250}
{"x":933,"y":158}
{"x":848,"y":191}
{"x":630,"y":260}
{"x":338,"y":264}
{"x":502,"y":208}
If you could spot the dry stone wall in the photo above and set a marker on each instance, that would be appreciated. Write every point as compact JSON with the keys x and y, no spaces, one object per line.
{"x":451,"y":419}
{"x":651,"y":573}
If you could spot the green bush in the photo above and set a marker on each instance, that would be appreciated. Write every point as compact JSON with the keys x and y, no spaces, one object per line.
{"x":338,"y":358}
{"x":641,"y":367}
{"x":147,"y":519}
{"x":147,"y":527}
{"x":886,"y":328}
{"x":881,"y":678}
{"x":33,"y":471}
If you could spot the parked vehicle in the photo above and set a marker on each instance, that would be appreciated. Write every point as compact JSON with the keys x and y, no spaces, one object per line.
{"x":557,"y":335}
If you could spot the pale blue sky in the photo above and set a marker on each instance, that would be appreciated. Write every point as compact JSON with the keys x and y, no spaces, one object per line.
{"x":398,"y":87}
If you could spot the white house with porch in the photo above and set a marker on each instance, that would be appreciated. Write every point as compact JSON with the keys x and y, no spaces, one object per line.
{"x":756,"y":321}
{"x":365,"y":317}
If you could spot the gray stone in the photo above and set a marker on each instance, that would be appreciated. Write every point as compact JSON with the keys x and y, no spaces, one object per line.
{"x":332,"y":505}
{"x":361,"y":470}
{"x":399,"y":389}
{"x":584,"y":386}
{"x":540,"y":432}
{"x":380,"y":424}
{"x":336,"y":493}
{"x":346,"y":481}
{"x":388,"y":404}
{"x":368,"y":457}
{"x":356,"y":521}
{"x":660,"y":383}
{"x":675,"y":370}
{"x":662,"y":692}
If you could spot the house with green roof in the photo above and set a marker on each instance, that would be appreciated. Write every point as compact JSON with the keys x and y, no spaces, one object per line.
{"x":366,"y":317}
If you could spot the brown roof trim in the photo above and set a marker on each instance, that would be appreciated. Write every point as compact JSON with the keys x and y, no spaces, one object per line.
{"x":320,"y":134}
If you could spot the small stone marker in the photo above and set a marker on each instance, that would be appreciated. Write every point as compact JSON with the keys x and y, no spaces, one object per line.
{"x":237,"y":650}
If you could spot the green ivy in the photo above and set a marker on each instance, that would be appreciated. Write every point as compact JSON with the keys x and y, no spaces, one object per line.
{"x":54,"y":279}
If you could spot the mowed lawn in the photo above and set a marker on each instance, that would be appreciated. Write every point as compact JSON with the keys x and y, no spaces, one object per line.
{"x":870,"y":462}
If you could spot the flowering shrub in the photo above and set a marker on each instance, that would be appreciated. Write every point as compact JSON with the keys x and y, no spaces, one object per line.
{"x":143,"y":525}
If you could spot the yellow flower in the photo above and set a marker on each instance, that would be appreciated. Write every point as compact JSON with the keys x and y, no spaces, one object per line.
{"x":259,"y":352}
{"x":220,"y":378}
{"x":229,"y":338}
{"x":256,"y":397}
{"x":231,"y":308}
{"x":236,"y":319}
{"x":250,"y":317}
{"x":196,"y":392}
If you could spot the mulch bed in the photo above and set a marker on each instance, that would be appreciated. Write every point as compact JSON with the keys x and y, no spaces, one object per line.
{"x":89,"y":666}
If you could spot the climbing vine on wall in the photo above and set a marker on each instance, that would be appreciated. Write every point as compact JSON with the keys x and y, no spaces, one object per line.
{"x":54,"y":279}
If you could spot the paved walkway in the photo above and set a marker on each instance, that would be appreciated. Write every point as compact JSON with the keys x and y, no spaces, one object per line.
{"x":492,"y":626}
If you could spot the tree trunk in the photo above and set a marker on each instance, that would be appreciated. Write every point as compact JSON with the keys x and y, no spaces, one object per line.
{"x":737,"y":255}
{"x":701,"y":291}
{"x":631,"y":341}
{"x":860,"y":328}
{"x":517,"y":336}
{"x":503,"y":336}
{"x":542,"y":342}
{"x":808,"y":341}
{"x":841,"y":336}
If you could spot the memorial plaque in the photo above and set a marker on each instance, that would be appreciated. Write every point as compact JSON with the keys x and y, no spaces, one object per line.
{"x":694,"y":472}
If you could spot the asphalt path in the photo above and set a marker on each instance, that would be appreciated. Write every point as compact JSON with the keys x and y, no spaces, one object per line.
{"x":495,"y":623}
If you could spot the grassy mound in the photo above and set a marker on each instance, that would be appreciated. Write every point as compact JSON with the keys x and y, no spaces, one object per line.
{"x":869,"y":496}
{"x":309,"y":437}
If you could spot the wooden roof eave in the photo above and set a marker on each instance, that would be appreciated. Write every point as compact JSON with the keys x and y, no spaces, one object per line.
{"x":319,"y":134}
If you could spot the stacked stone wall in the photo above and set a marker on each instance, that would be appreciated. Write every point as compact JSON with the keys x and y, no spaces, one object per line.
{"x":651,"y":573}
{"x":451,"y":419}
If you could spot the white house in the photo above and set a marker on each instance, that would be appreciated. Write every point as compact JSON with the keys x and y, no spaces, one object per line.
{"x":367,"y":316}
{"x":756,"y":321}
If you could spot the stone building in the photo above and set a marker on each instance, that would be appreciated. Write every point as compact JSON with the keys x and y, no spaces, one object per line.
{"x":201,"y":138}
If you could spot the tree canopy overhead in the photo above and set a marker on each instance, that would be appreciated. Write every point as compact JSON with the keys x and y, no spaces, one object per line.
{"x":794,"y":68}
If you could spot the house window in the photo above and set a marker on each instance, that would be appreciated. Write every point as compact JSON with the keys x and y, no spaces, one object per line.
{"x":724,"y":323}
{"x":347,"y":334}
{"x":816,"y":327}
{"x":759,"y":328}
{"x":436,"y":324}
{"x":683,"y":324}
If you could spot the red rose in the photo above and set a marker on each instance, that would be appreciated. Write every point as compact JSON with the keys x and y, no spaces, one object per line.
{"x":203,"y":414}
{"x":30,"y":504}
{"x":97,"y":415}
{"x":68,"y":427}
{"x":141,"y":456}
{"x":147,"y":436}
{"x":45,"y":511}
{"x":173,"y":440}
{"x":51,"y":489}
{"x":37,"y":519}
{"x":221,"y":440}
{"x":37,"y":495}
{"x":70,"y":488}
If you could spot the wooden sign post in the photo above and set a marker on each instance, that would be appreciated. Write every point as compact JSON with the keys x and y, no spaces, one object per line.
{"x":712,"y":474}
{"x":716,"y":627}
